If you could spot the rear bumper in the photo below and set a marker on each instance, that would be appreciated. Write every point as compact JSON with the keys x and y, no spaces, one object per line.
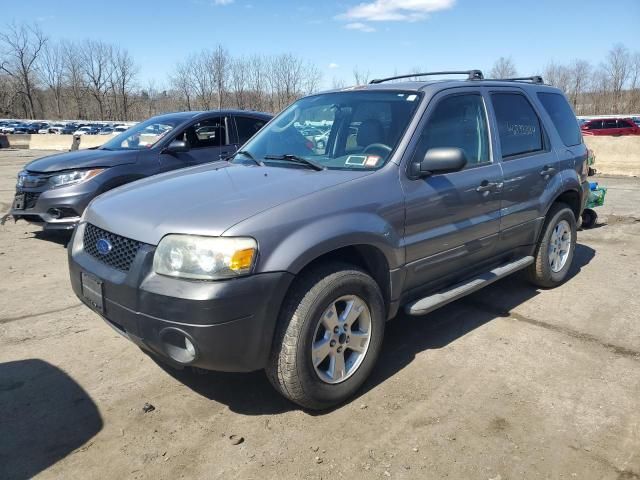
{"x":230,"y":323}
{"x":584,"y":195}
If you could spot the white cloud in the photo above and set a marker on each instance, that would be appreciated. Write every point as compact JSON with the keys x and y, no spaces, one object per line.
{"x":395,"y":10}
{"x":223,"y":2}
{"x":333,"y":66}
{"x":363,"y":27}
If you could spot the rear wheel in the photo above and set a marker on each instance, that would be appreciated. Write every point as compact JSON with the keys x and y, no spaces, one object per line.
{"x":555,"y":249}
{"x":329,"y":336}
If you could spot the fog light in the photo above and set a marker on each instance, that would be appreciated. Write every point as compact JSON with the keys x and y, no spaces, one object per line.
{"x":178,"y":346}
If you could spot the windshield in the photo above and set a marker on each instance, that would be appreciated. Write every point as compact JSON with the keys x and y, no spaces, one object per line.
{"x":143,"y":135}
{"x":351,"y":130}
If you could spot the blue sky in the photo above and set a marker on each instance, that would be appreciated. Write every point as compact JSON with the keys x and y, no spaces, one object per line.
{"x":381,"y":36}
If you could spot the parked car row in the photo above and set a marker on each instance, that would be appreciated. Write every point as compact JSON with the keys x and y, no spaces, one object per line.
{"x":17,"y":128}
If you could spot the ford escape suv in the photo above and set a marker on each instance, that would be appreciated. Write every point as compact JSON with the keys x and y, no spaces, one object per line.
{"x":53,"y":191}
{"x":291,"y":257}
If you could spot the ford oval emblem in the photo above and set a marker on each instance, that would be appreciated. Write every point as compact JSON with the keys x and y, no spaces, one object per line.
{"x":103,"y":246}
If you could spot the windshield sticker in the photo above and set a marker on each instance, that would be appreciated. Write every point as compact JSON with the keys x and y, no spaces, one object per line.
{"x":411,"y":98}
{"x":372,"y":161}
{"x":356,"y":160}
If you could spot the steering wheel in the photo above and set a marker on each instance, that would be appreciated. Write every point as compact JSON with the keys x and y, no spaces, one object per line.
{"x":277,"y":129}
{"x":380,"y":146}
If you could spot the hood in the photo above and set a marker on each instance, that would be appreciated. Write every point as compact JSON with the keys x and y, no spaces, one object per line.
{"x":82,"y":159}
{"x":204,"y":200}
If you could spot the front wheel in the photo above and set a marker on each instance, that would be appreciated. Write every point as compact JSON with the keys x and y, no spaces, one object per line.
{"x":329,"y":336}
{"x":555,"y":249}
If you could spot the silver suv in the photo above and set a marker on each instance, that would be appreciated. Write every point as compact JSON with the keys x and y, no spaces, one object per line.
{"x":291,"y":256}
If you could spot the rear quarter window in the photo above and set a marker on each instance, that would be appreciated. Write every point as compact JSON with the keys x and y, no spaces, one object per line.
{"x":562,"y":117}
{"x":519,"y":127}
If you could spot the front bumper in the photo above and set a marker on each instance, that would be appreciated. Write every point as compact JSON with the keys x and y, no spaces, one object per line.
{"x":230,"y":322}
{"x":42,"y":204}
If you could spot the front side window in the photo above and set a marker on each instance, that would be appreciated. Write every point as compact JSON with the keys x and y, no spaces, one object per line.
{"x":143,"y":135}
{"x":624,"y":124}
{"x":206,"y":133}
{"x":610,"y":124}
{"x":458,"y":121}
{"x":350,"y":130}
{"x":518,"y":124}
{"x":562,"y":117}
{"x":248,"y":127}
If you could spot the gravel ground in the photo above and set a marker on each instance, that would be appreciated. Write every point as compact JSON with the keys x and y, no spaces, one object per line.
{"x":511,"y":382}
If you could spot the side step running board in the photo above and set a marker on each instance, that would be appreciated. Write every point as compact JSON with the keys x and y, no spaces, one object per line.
{"x":430,"y":303}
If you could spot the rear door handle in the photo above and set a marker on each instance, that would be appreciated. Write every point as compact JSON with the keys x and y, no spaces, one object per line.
{"x":487,"y":186}
{"x":547,"y":171}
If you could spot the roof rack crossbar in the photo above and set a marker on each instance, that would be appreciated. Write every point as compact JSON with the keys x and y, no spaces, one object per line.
{"x":532,"y":79}
{"x":471,"y":75}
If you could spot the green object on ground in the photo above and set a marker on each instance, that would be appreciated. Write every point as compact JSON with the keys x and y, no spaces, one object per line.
{"x":596,"y":197}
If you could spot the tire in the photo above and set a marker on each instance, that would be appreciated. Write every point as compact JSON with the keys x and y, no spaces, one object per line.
{"x":541,"y":273}
{"x":589,"y":218}
{"x":291,"y":367}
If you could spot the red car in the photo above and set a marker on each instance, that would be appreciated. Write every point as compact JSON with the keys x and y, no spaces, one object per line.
{"x":610,"y":126}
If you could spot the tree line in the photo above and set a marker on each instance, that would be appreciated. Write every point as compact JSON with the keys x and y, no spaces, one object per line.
{"x":53,"y":79}
{"x":610,"y":87}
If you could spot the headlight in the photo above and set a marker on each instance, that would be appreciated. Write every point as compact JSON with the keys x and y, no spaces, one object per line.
{"x":204,"y":258}
{"x":71,"y":178}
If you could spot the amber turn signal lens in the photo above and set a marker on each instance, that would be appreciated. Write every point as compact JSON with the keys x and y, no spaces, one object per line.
{"x":242,"y":259}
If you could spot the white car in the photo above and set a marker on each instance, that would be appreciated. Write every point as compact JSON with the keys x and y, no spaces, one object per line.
{"x":84,"y":131}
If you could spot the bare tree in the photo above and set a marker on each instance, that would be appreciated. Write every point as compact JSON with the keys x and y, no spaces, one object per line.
{"x":503,"y":68}
{"x":74,"y":77}
{"x":579,"y":80}
{"x":218,"y":63}
{"x":617,"y":68}
{"x":239,"y":73}
{"x":52,"y":72}
{"x":338,"y":83}
{"x":123,"y":76}
{"x":21,"y":48}
{"x":557,"y":75}
{"x":256,"y":82}
{"x":634,"y":83}
{"x":97,"y":67}
{"x":361,"y":77}
{"x":182,"y":82}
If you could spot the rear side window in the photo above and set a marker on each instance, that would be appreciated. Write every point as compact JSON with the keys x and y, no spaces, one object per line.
{"x":562,"y":117}
{"x":457,"y":121}
{"x":518,"y":125}
{"x":624,"y":124}
{"x":247,"y":126}
{"x":610,"y":124}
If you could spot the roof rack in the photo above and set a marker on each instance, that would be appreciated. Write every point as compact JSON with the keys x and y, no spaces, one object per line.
{"x":532,"y":79}
{"x":471,"y":75}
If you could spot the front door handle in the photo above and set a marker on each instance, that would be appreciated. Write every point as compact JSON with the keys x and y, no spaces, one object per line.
{"x":487,"y":186}
{"x":547,"y":171}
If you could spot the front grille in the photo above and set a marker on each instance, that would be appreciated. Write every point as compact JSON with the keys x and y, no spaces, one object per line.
{"x":123,"y":250}
{"x":30,"y":199}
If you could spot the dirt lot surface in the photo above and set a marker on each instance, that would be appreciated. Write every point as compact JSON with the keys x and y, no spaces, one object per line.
{"x":509,"y":383}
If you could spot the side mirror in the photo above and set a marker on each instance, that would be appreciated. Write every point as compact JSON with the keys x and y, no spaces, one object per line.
{"x":440,"y":160}
{"x":177,"y":146}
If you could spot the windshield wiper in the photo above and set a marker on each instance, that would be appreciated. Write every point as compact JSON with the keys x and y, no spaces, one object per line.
{"x":249,"y":155}
{"x":294,"y":158}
